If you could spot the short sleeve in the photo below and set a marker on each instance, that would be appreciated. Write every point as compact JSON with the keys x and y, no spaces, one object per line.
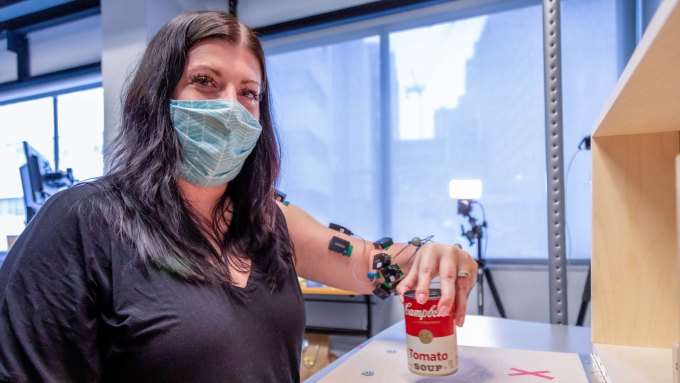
{"x":50,"y":286}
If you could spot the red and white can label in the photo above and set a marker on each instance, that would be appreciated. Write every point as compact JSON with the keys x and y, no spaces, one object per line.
{"x":430,"y":338}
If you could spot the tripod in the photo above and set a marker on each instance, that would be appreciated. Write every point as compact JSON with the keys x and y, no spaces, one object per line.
{"x":476,"y":234}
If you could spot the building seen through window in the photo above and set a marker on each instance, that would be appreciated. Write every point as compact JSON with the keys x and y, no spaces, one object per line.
{"x":463,"y":100}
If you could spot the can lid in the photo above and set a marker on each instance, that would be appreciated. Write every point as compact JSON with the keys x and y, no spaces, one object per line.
{"x":434,"y":294}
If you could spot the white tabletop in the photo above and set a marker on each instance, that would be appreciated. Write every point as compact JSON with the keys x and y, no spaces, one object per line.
{"x":483,"y":331}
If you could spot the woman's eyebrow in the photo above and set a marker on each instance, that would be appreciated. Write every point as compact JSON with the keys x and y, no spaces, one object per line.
{"x":218,"y":73}
{"x":209,"y":68}
{"x":245,"y":82}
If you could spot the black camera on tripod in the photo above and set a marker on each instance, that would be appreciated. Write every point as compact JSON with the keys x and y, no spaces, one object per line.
{"x":475,"y":231}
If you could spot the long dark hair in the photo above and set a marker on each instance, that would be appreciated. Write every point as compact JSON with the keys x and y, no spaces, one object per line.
{"x":145,"y":204}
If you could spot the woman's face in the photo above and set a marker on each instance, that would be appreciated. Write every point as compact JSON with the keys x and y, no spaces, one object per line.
{"x":216,"y":68}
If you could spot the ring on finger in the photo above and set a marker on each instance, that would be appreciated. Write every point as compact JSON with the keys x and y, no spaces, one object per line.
{"x":463,"y":274}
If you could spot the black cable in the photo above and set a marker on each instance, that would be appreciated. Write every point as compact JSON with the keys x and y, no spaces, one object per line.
{"x":423,"y":241}
{"x":583,"y":145}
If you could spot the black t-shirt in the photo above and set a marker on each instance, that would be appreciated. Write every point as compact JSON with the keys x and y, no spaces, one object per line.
{"x":76,"y":306}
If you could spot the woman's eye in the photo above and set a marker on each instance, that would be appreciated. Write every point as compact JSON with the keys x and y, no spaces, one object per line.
{"x":201,"y":79}
{"x":251,"y":94}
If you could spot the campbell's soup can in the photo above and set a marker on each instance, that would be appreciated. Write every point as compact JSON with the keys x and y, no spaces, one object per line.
{"x":430,"y":338}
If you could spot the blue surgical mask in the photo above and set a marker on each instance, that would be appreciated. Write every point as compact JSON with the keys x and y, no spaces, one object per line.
{"x":216,"y":137}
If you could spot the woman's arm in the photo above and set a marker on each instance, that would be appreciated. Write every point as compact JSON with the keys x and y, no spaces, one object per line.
{"x":316,"y":262}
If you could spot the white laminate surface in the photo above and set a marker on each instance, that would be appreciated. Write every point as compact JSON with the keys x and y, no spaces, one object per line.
{"x":483,"y":331}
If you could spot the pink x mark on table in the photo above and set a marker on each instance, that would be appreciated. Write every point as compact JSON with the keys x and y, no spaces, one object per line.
{"x":534,"y":373}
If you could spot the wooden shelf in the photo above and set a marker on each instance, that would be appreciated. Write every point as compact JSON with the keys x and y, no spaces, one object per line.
{"x":635,"y":277}
{"x":635,"y":283}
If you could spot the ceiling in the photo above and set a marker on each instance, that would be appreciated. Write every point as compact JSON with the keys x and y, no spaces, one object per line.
{"x":24,"y":47}
{"x":32,"y":14}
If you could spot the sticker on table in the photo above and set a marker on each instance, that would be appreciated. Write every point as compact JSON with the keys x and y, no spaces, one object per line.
{"x":540,"y":374}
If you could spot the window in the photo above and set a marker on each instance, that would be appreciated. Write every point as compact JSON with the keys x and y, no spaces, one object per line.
{"x":590,"y":68}
{"x":26,"y":121}
{"x":330,"y":130}
{"x":375,"y":125}
{"x":79,"y":129}
{"x":470,"y":106}
{"x":81,"y":132}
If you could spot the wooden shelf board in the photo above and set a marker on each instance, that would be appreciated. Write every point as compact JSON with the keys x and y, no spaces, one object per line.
{"x":626,"y":364}
{"x":646,"y":98}
{"x":634,"y":278}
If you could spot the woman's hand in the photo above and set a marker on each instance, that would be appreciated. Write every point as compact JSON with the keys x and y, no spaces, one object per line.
{"x":457,"y":272}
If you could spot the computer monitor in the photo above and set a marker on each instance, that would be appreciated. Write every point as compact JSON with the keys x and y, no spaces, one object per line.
{"x":38,"y":180}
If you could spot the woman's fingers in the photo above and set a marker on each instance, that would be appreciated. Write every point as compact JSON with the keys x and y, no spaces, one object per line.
{"x":410,"y":280}
{"x":448,"y":268}
{"x":457,"y":272}
{"x":428,"y":266}
{"x":464,"y":282}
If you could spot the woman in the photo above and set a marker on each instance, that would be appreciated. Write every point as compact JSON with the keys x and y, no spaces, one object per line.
{"x":179,"y":264}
